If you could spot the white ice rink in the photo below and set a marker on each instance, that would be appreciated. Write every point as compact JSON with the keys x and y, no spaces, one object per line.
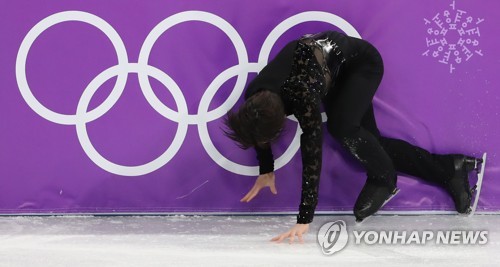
{"x":230,"y":241}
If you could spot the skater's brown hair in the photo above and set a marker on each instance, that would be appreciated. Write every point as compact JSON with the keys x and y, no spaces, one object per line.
{"x":258,"y":121}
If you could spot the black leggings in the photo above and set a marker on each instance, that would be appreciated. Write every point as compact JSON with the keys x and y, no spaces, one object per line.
{"x":351,"y":121}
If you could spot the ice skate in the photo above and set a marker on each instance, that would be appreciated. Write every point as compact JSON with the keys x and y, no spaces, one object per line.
{"x":458,"y":186}
{"x":371,"y":199}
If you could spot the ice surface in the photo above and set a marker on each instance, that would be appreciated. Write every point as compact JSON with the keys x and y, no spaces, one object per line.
{"x":229,"y":241}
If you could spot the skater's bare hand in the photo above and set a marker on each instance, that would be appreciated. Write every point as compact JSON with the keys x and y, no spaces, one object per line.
{"x":264,"y":180}
{"x":298,"y":230}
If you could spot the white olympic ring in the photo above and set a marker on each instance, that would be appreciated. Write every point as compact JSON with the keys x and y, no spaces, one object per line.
{"x":182,"y":117}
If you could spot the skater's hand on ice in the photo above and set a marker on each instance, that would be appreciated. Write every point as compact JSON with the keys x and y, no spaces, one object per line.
{"x":263,"y":180}
{"x":298,"y":230}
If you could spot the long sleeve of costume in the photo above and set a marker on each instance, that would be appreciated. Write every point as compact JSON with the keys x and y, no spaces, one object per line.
{"x":303,"y":89}
{"x":311,"y":150}
{"x":265,"y":158}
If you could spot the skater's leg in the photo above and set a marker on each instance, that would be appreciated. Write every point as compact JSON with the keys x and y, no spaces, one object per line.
{"x":345,"y":111}
{"x":449,"y":171}
{"x":344,"y":124}
{"x":416,"y":161}
{"x":410,"y":159}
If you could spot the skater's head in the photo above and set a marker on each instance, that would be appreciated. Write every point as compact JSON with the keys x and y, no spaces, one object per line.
{"x":258,"y":121}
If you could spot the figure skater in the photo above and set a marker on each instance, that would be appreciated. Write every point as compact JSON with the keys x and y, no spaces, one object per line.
{"x":342,"y":73}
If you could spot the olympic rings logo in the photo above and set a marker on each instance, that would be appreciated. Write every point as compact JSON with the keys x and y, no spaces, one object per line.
{"x":143,"y":70}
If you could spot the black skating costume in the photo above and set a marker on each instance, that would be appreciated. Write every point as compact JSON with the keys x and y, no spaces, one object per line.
{"x":343,"y":73}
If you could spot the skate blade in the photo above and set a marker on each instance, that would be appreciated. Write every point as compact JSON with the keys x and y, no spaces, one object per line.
{"x":477,"y":164}
{"x":478,"y":186}
{"x":393,"y":194}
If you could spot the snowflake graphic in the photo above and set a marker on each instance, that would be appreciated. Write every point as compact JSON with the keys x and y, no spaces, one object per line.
{"x":452,"y":37}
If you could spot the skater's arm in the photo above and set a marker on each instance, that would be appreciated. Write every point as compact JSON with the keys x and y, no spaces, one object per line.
{"x":311,"y":145}
{"x":265,"y":158}
{"x":309,"y":118}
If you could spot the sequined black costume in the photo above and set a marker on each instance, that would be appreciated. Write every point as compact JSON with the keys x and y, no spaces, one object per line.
{"x":343,"y":73}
